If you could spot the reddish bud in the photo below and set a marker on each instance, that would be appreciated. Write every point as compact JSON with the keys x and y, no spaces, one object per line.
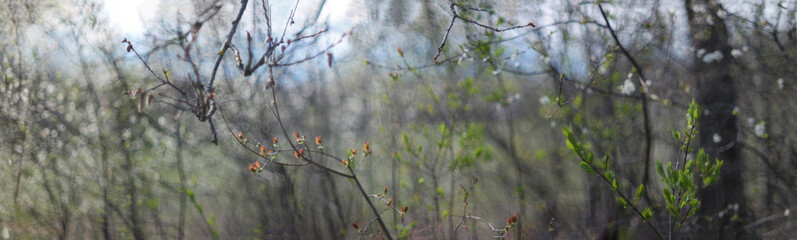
{"x":274,"y":140}
{"x":318,"y":140}
{"x":400,"y":51}
{"x":512,"y":220}
{"x":353,"y":151}
{"x":262,"y":149}
{"x":270,"y":81}
{"x":367,"y":148}
{"x":240,"y":135}
{"x":329,"y":59}
{"x":254,"y":167}
{"x":355,"y":225}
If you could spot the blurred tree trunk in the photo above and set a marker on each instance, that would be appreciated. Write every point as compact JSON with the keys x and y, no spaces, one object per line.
{"x":718,"y":131}
{"x":288,"y":204}
{"x":178,"y":154}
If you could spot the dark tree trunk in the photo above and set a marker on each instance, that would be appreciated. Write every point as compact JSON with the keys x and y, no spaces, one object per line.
{"x":718,"y":129}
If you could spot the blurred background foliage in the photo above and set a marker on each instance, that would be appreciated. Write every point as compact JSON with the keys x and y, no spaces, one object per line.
{"x":80,"y":160}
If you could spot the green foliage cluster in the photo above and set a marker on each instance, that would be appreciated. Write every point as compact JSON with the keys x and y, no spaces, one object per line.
{"x":679,"y":188}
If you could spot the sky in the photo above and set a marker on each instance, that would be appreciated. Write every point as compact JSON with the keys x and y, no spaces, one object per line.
{"x":130,"y":15}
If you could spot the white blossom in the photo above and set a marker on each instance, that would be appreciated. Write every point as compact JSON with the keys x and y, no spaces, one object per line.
{"x":786,"y":212}
{"x":721,"y":13}
{"x":699,"y":8}
{"x":544,"y":100}
{"x":780,"y":83}
{"x":514,"y":98}
{"x":750,"y":121}
{"x":716,"y":138}
{"x":736,"y":53}
{"x":628,"y":87}
{"x":759,"y":129}
{"x":700,"y":52}
{"x":715,"y":56}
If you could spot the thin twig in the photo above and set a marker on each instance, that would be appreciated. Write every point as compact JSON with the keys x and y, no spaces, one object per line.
{"x":456,"y":16}
{"x":226,"y":45}
{"x":645,"y":110}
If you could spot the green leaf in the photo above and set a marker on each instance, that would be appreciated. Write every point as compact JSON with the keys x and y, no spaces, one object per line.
{"x":660,"y":170}
{"x":420,"y":181}
{"x":639,"y":192}
{"x":647,"y":213}
{"x":668,"y":196}
{"x":610,"y":176}
{"x":621,"y":201}
{"x":190,"y":193}
{"x":688,"y":165}
{"x":571,"y":146}
{"x":587,"y":168}
{"x":212,"y":220}
{"x":605,"y":164}
{"x":590,"y":156}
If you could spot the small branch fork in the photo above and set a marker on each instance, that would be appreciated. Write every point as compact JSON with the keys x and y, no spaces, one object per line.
{"x":465,"y":200}
{"x":204,"y":104}
{"x":201,"y":106}
{"x":209,"y":89}
{"x":455,"y":15}
{"x":273,"y":58}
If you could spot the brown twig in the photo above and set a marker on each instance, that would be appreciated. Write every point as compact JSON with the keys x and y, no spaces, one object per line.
{"x":645,"y":110}
{"x":455,"y":16}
